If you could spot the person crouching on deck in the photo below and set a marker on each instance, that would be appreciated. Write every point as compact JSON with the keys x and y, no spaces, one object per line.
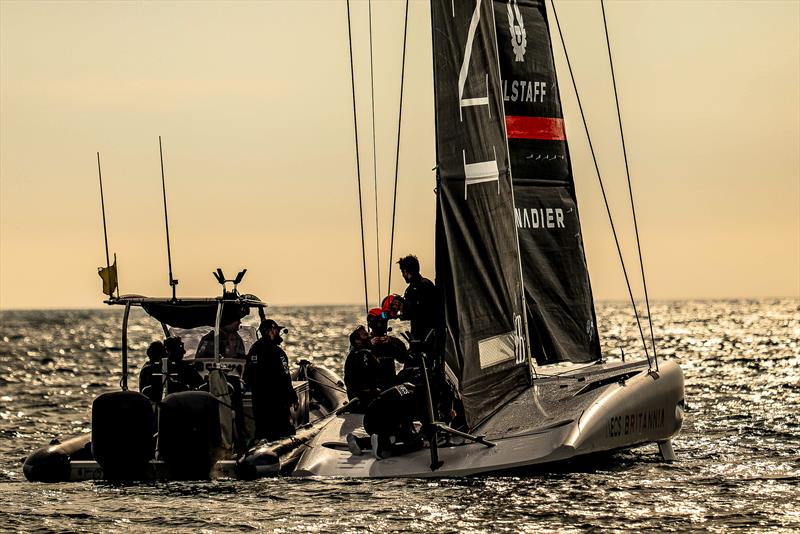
{"x":362,"y":371}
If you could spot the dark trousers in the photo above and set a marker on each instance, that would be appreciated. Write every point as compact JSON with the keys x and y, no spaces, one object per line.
{"x":273,"y":421}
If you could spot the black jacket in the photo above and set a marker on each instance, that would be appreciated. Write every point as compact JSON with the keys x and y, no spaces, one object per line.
{"x":423,"y":307}
{"x":362,"y":372}
{"x":182,"y":377}
{"x":267,"y":374}
{"x":388,"y":350}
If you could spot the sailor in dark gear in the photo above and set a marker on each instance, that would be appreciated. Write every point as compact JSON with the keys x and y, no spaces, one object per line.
{"x":421,"y":304}
{"x":387,"y":349}
{"x":361,"y":370}
{"x":390,"y":420}
{"x":147,"y":386}
{"x":231,"y":344}
{"x":267,"y":374}
{"x":183,"y":375}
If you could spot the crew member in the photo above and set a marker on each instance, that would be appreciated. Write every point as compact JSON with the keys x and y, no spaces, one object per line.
{"x":231,"y":344}
{"x":147,"y":386}
{"x":182,"y":374}
{"x":267,"y":374}
{"x":387,"y":349}
{"x":361,"y":370}
{"x":421,"y":304}
{"x":390,"y":421}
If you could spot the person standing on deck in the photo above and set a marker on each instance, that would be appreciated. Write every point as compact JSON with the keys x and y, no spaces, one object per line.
{"x":421,"y":305}
{"x":231,"y":344}
{"x":267,"y":374}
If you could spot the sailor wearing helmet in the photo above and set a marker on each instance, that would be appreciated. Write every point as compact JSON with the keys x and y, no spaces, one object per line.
{"x":386,"y":348}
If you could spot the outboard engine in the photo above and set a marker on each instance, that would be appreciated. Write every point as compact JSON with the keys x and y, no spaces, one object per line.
{"x":189,"y":439}
{"x":122,"y":434}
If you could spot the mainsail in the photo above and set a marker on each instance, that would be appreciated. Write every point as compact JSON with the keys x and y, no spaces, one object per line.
{"x":561,"y":315}
{"x":477,"y":262}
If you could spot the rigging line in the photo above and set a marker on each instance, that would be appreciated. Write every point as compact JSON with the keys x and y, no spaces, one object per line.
{"x":358,"y":163}
{"x":600,"y":180}
{"x":324,"y":385}
{"x":374,"y":152}
{"x":397,"y":150}
{"x":630,"y":188}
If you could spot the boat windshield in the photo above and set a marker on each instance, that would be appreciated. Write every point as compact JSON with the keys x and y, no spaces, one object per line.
{"x":191,"y":337}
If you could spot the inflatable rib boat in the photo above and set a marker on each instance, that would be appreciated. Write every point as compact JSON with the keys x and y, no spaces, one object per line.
{"x":186,"y":433}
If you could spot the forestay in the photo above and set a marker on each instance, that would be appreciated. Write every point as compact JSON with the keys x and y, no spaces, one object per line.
{"x":477,"y":261}
{"x":561,"y":316}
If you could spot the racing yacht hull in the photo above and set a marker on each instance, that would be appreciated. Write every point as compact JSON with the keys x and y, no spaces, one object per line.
{"x":601,"y":408}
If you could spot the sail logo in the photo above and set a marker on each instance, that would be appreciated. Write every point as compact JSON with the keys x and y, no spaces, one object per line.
{"x":519,"y":38}
{"x":539,"y":217}
{"x":524,"y":91}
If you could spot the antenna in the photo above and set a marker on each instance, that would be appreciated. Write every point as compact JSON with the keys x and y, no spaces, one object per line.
{"x":103,"y":207}
{"x":220,"y":276}
{"x":105,"y":229}
{"x":172,"y":282}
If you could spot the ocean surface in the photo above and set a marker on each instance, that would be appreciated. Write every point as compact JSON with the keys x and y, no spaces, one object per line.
{"x":738,"y":454}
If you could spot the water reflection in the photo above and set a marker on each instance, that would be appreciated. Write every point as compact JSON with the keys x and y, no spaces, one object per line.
{"x":739,"y":452}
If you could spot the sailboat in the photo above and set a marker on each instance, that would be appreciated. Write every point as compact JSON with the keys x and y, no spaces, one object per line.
{"x":511,"y":266}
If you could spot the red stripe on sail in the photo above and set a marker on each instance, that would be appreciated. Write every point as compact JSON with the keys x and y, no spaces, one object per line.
{"x":545,"y":128}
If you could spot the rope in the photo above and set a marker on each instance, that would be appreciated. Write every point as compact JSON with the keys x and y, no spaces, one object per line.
{"x":374,"y":152}
{"x":600,"y":180}
{"x":332,"y":386}
{"x":397,"y":150}
{"x":630,"y":188}
{"x":358,"y":163}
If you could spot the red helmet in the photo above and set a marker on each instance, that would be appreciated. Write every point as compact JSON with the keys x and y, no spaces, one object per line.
{"x":376,"y":320}
{"x":391,"y":306}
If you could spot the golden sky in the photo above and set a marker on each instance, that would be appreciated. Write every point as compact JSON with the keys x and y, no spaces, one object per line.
{"x":253,"y":101}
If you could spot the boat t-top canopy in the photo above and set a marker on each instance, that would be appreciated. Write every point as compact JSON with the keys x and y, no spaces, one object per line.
{"x":192,"y":312}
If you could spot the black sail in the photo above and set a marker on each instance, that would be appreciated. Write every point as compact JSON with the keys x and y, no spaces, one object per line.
{"x":561,"y":316}
{"x":477,"y":261}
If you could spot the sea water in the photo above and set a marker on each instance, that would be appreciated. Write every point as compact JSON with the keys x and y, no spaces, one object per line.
{"x":738,"y":453}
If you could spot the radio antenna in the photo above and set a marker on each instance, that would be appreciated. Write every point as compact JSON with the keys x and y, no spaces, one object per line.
{"x":172,"y":282}
{"x":103,"y":207}
{"x":105,"y":232}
